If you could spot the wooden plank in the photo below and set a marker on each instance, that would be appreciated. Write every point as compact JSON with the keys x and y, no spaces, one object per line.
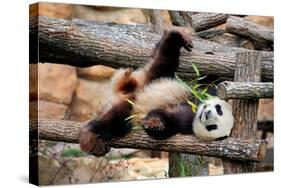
{"x":248,"y":69}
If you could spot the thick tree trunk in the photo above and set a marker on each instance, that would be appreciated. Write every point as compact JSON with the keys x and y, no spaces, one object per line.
{"x":232,"y":148}
{"x":81,"y":44}
{"x":156,"y":21}
{"x":207,"y":34}
{"x":182,"y":164}
{"x":245,"y":111}
{"x":262,"y":36}
{"x":245,"y":90}
{"x":181,"y":18}
{"x":204,"y":21}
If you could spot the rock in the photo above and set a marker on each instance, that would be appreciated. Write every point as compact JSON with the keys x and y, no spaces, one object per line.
{"x":89,"y":169}
{"x":56,"y":82}
{"x":47,"y":169}
{"x":47,"y":109}
{"x":266,"y":110}
{"x":33,"y":82}
{"x":263,"y":20}
{"x":53,"y":171}
{"x":215,"y":170}
{"x":89,"y":98}
{"x":55,"y":10}
{"x":139,"y":168}
{"x":97,"y":72}
{"x":118,"y":153}
{"x":119,"y":15}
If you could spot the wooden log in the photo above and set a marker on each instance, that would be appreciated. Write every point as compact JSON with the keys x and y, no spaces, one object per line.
{"x":181,"y":18}
{"x":183,"y":164}
{"x":209,"y":33}
{"x":228,"y":39}
{"x":156,"y":21}
{"x":245,"y":90}
{"x":262,"y":36}
{"x":200,"y":21}
{"x":81,"y":44}
{"x":248,"y":69}
{"x":204,"y":21}
{"x":67,"y":131}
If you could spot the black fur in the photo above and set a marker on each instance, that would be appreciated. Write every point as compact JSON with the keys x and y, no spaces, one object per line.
{"x":169,"y":123}
{"x":221,"y":138}
{"x":211,"y":127}
{"x":218,"y":109}
{"x":112,"y":124}
{"x":162,"y":128}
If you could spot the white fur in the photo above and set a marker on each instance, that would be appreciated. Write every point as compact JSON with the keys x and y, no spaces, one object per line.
{"x":162,"y":93}
{"x":224,"y":122}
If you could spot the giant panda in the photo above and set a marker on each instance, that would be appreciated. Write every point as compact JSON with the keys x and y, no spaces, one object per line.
{"x":150,"y":93}
{"x":213,"y":120}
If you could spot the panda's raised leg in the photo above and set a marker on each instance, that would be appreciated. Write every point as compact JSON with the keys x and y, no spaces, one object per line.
{"x":165,"y":57}
{"x":111,"y":124}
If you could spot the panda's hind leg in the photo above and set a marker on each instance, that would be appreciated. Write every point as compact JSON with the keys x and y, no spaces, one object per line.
{"x":111,"y":124}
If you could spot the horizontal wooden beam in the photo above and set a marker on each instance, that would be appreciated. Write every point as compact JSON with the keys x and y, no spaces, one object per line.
{"x":245,"y":90}
{"x":83,"y":43}
{"x":211,"y":33}
{"x":262,"y":36}
{"x":67,"y":131}
{"x":203,"y":21}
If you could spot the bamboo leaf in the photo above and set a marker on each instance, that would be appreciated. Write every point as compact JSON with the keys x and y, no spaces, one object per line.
{"x":193,"y":106}
{"x":131,"y":102}
{"x":204,"y":91}
{"x":201,"y":78}
{"x":131,"y":117}
{"x":196,"y":86}
{"x":195,"y":69}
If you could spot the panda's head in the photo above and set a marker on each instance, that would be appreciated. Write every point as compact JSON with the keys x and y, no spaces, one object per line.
{"x":213,"y":120}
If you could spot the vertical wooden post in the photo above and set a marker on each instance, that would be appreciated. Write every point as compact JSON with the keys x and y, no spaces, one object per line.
{"x":182,"y":164}
{"x":156,"y":21}
{"x":248,"y":69}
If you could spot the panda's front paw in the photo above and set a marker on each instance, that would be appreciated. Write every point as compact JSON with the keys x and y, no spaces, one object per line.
{"x":91,"y":143}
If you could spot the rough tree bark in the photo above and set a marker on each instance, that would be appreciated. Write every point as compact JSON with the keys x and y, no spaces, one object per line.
{"x":81,"y":44}
{"x":181,"y":18}
{"x":183,"y":164}
{"x":204,"y":21}
{"x":239,"y":149}
{"x":209,"y":33}
{"x":245,"y":90}
{"x":248,"y":69}
{"x":228,"y":39}
{"x":262,"y":36}
{"x":156,"y":21}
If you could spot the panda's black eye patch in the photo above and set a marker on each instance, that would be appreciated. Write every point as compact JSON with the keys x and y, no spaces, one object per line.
{"x":218,"y":109}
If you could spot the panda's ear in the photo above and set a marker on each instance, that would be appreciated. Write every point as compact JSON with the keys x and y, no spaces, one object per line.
{"x":218,"y":109}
